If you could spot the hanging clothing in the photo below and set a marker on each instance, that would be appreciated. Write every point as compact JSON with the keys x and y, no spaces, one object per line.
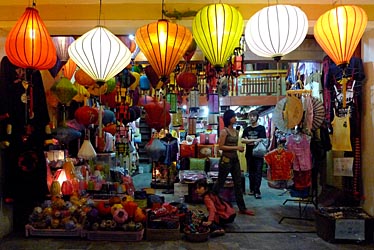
{"x":280,"y":163}
{"x":171,"y":149}
{"x":299,"y":144}
{"x":341,"y":137}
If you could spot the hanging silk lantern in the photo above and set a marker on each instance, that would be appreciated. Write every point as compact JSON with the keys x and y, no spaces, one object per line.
{"x":163,"y":43}
{"x":64,"y":90}
{"x":62,"y":44}
{"x":100,"y":54}
{"x":213,"y":103}
{"x":187,"y":80}
{"x":87,"y":151}
{"x":28,"y":44}
{"x":338,"y":32}
{"x":157,"y":116}
{"x":213,"y":119}
{"x":193,"y":99}
{"x":144,"y":83}
{"x":217,"y":29}
{"x":171,"y":98}
{"x":68,"y":69}
{"x":276,"y":30}
{"x":86,"y":115}
{"x":177,"y":118}
{"x":190,"y":51}
{"x":192,"y":125}
{"x":130,"y":43}
{"x":83,"y":78}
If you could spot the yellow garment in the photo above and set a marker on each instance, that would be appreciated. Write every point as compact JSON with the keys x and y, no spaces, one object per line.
{"x":241,"y":155}
{"x":341,"y":137}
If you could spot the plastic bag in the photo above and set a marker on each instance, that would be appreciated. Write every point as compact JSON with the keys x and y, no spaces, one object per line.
{"x":260,"y":149}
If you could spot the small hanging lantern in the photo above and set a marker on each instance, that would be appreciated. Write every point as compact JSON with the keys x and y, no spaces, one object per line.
{"x":213,"y":103}
{"x":213,"y":119}
{"x":193,"y":99}
{"x":171,"y":98}
{"x":62,"y":44}
{"x":192,"y":125}
{"x":177,"y":118}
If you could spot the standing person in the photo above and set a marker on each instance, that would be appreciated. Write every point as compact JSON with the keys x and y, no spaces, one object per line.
{"x":229,"y":162}
{"x":220,"y":211}
{"x":253,"y":134}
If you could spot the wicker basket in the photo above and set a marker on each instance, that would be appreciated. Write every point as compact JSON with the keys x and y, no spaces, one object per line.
{"x":197,"y":237}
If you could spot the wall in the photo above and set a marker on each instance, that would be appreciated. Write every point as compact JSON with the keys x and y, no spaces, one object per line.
{"x":367,"y":126}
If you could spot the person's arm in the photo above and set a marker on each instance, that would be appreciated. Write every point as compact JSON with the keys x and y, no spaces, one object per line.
{"x":211,"y":210}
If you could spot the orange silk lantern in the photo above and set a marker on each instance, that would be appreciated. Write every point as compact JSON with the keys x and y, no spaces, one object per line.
{"x":338,"y":32}
{"x":83,"y":78}
{"x":163,"y":43}
{"x":29,"y":45}
{"x":69,"y":69}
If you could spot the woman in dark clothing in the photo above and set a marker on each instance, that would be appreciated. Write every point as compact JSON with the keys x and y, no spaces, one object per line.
{"x":229,"y":162}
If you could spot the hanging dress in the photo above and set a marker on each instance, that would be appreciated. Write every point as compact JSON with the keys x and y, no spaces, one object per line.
{"x":341,"y":137}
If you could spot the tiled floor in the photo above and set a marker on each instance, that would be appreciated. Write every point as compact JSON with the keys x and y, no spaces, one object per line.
{"x":262,"y":231}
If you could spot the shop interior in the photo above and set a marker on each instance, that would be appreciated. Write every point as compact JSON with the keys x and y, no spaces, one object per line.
{"x":123,"y":154}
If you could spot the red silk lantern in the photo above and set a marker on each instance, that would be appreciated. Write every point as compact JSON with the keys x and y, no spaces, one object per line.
{"x":29,"y":45}
{"x":130,"y":43}
{"x":130,"y":208}
{"x":157,"y":115}
{"x":67,"y":188}
{"x":86,"y":115}
{"x":152,"y":76}
{"x":190,"y":51}
{"x":187,"y":80}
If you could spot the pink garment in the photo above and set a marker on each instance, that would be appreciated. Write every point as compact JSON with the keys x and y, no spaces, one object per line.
{"x":216,"y":208}
{"x":299,"y":145}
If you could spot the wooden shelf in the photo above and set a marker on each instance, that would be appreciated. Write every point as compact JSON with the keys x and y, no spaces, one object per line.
{"x":266,"y":100}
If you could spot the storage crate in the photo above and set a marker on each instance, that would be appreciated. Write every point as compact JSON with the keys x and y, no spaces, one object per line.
{"x":344,"y":224}
{"x":31,"y":231}
{"x":114,"y":235}
{"x":163,"y":234}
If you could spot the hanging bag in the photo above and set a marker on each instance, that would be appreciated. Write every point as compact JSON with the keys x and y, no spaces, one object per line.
{"x":260,"y":148}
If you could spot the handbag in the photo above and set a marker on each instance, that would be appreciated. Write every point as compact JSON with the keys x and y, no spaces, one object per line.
{"x":260,"y":148}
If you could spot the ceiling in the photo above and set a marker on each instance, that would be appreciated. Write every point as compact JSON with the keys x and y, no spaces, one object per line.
{"x":75,"y":17}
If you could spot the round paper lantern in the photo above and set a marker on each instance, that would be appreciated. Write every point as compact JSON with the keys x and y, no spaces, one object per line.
{"x":187,"y":80}
{"x":338,"y":32}
{"x":28,"y":44}
{"x":276,"y":30}
{"x":144,"y":83}
{"x":157,"y":115}
{"x":217,"y":29}
{"x":86,"y":115}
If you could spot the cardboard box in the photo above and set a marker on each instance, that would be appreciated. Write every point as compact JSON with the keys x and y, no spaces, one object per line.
{"x":344,"y":225}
